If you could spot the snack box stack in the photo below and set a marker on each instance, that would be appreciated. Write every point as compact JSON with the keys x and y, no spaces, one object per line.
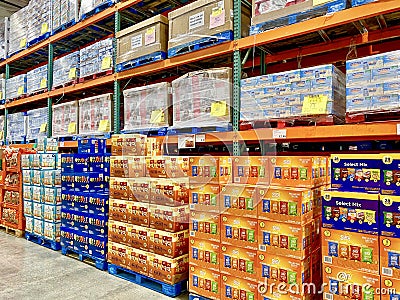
{"x":41,"y":175}
{"x":65,"y":119}
{"x":2,"y":87}
{"x":373,"y":83}
{"x":96,"y":115}
{"x":289,"y":94}
{"x":84,"y":197}
{"x":148,"y":107}
{"x":202,"y":97}
{"x":3,"y":39}
{"x":96,"y":58}
{"x":39,"y":20}
{"x":36,"y":80}
{"x":2,"y":119}
{"x":16,"y":87}
{"x":65,"y":12}
{"x":149,"y":210}
{"x":18,"y":31}
{"x":66,"y":69}
{"x":16,"y":127}
{"x":36,"y":123}
{"x":350,"y":234}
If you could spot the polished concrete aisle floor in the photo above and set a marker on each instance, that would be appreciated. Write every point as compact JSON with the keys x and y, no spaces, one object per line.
{"x":29,"y":271}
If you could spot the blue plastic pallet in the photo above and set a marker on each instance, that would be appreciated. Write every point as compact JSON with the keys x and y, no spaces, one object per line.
{"x":196,"y":297}
{"x":150,"y":283}
{"x":361,"y":2}
{"x":141,"y":61}
{"x":42,"y":241}
{"x":162,"y":131}
{"x":38,"y":39}
{"x":202,"y":43}
{"x":85,"y":257}
{"x":320,"y":10}
{"x":16,"y":52}
{"x":196,"y":130}
{"x":98,"y":9}
{"x":63,"y":27}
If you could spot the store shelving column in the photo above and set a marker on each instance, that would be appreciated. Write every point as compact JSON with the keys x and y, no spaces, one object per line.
{"x":6,"y":109}
{"x":237,"y":74}
{"x":117,"y":86}
{"x":49,"y":88}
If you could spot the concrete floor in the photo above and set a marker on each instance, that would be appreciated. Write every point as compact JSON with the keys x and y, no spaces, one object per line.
{"x":29,"y":271}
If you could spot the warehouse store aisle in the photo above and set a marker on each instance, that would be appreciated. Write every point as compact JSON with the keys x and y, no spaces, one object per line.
{"x":29,"y":271}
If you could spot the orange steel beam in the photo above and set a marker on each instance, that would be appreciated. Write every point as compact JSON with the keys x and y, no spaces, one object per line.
{"x":178,"y":60}
{"x":126,"y":4}
{"x":321,"y":23}
{"x":27,"y":100}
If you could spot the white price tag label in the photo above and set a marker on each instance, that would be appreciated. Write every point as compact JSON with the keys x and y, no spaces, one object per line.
{"x":200,"y":138}
{"x":186,"y":141}
{"x":279,"y":133}
{"x":62,"y":144}
{"x":398,"y":129}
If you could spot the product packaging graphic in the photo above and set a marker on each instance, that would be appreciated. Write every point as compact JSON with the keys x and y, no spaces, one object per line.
{"x":205,"y":226}
{"x":389,"y":216}
{"x":390,"y":288}
{"x":389,"y":256}
{"x":205,"y":197}
{"x":239,"y":200}
{"x":210,"y":169}
{"x":237,"y":288}
{"x":205,"y":282}
{"x":205,"y":254}
{"x":251,"y":170}
{"x":239,"y":231}
{"x":238,"y":262}
{"x":390,"y":174}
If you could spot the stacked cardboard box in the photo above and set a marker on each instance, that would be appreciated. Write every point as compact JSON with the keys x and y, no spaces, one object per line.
{"x":18,"y":30}
{"x":36,"y":80}
{"x":84,"y":195}
{"x":96,"y":58}
{"x":64,"y":12}
{"x":42,"y":194}
{"x":16,"y":86}
{"x":35,"y":120}
{"x":16,"y":127}
{"x":89,"y":5}
{"x":289,"y":94}
{"x":65,"y":119}
{"x":66,"y":69}
{"x":3,"y":39}
{"x":148,"y":228}
{"x":39,"y":19}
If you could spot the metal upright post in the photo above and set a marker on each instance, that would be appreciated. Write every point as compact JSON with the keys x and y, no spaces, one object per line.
{"x":6,"y":109}
{"x":117,"y":86}
{"x":237,"y":74}
{"x":49,"y":88}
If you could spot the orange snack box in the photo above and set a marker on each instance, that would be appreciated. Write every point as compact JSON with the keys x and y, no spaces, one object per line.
{"x":210,"y":169}
{"x":168,"y":270}
{"x":271,"y":295}
{"x":177,"y":166}
{"x":140,"y":189}
{"x":239,"y":200}
{"x":118,"y":232}
{"x":342,"y":283}
{"x":297,"y":171}
{"x":205,"y":197}
{"x":239,"y":231}
{"x":138,"y":261}
{"x":390,"y":288}
{"x":238,"y":288}
{"x":169,"y":218}
{"x":351,"y":250}
{"x":238,"y":262}
{"x":251,"y":170}
{"x":138,"y":237}
{"x":204,"y":282}
{"x":204,"y":225}
{"x":127,"y":166}
{"x":205,"y":254}
{"x":316,"y":267}
{"x":136,"y":213}
{"x":156,"y":167}
{"x":167,"y":243}
{"x":154,"y":146}
{"x":171,"y":192}
{"x":118,"y":210}
{"x":389,"y":256}
{"x":120,"y":188}
{"x":128,"y":144}
{"x":287,"y":205}
{"x":117,"y":254}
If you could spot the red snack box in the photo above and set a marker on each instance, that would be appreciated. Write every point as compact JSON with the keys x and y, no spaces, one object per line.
{"x":168,"y":270}
{"x":138,"y":261}
{"x":169,"y":218}
{"x":167,"y":243}
{"x":117,"y":254}
{"x":177,"y":166}
{"x":171,"y":192}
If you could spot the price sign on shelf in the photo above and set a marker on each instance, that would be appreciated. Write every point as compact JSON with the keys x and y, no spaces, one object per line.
{"x":72,"y":127}
{"x":398,"y":129}
{"x":43,"y":127}
{"x":219,"y":109}
{"x":72,"y":73}
{"x":279,"y":133}
{"x":43,"y":83}
{"x":157,"y":117}
{"x":104,"y":125}
{"x":22,"y":43}
{"x":315,"y":105}
{"x":106,"y":63}
{"x":45,"y":28}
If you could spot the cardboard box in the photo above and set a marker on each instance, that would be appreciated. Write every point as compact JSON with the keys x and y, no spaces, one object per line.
{"x":355,"y":212}
{"x":390,"y":288}
{"x":95,"y":111}
{"x":238,"y":262}
{"x":129,"y":145}
{"x":167,"y":243}
{"x":140,"y":189}
{"x":142,"y":39}
{"x":169,"y":270}
{"x":237,"y":288}
{"x":316,"y":268}
{"x":351,"y":250}
{"x":210,"y":169}
{"x":205,"y":197}
{"x":204,"y":282}
{"x":138,"y":261}
{"x":169,"y":218}
{"x":156,"y":167}
{"x":390,"y":174}
{"x":267,"y":294}
{"x":128,"y":234}
{"x":120,"y":188}
{"x":128,"y":166}
{"x":251,"y":170}
{"x":287,"y":205}
{"x":239,"y":231}
{"x":356,"y":172}
{"x":389,"y":256}
{"x":206,"y":226}
{"x":343,"y":283}
{"x":205,"y":254}
{"x":170,"y":192}
{"x":118,"y":254}
{"x":239,"y":200}
{"x":389,"y":216}
{"x":136,"y":213}
{"x":177,"y":166}
{"x":295,"y":241}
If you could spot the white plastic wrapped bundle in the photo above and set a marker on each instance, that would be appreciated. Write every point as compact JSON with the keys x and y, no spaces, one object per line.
{"x":65,"y":119}
{"x":36,"y":79}
{"x":35,"y":119}
{"x":96,"y":114}
{"x":39,"y":20}
{"x":66,"y":69}
{"x":2,"y":118}
{"x":147,"y":106}
{"x":89,"y":5}
{"x":96,"y":58}
{"x":16,"y":86}
{"x":2,"y":85}
{"x":64,"y":11}
{"x":203,"y":98}
{"x":2,"y":38}
{"x":18,"y":30}
{"x":16,"y":127}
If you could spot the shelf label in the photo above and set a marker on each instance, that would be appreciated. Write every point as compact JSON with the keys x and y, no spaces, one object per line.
{"x":136,"y":41}
{"x":157,"y":117}
{"x":72,"y":73}
{"x":22,"y":43}
{"x":20,"y":90}
{"x":106,"y":63}
{"x":186,"y":141}
{"x":45,"y":28}
{"x":150,"y":36}
{"x":279,"y":133}
{"x":1,"y":95}
{"x":217,"y":18}
{"x":398,"y":129}
{"x":104,"y":126}
{"x":43,"y":127}
{"x":1,"y":134}
{"x":319,"y":2}
{"x":72,"y":127}
{"x":315,"y":105}
{"x":43,"y":83}
{"x":218,"y":109}
{"x":196,"y":21}
{"x":200,"y":138}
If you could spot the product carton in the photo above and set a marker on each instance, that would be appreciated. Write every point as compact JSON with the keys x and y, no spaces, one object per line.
{"x":204,"y":225}
{"x":351,"y":250}
{"x":128,"y":166}
{"x":97,"y":246}
{"x":390,"y":174}
{"x":239,"y":231}
{"x":210,"y":169}
{"x":251,"y":170}
{"x":169,"y":218}
{"x":233,"y":287}
{"x":205,"y":254}
{"x":52,"y":231}
{"x":288,"y":205}
{"x":118,"y":232}
{"x":239,"y":200}
{"x":177,"y":166}
{"x":389,"y":216}
{"x":238,"y":262}
{"x":168,"y":270}
{"x":156,"y":166}
{"x":140,"y":189}
{"x":344,"y":283}
{"x":138,"y":261}
{"x":205,"y":282}
{"x":316,"y":267}
{"x":167,"y":243}
{"x":120,"y":188}
{"x":348,"y":211}
{"x":118,"y":254}
{"x":128,"y":144}
{"x":205,"y":197}
{"x":389,"y":256}
{"x":170,"y":192}
{"x":390,"y":288}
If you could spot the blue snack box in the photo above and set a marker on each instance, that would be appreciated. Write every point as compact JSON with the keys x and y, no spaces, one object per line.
{"x":67,"y":163}
{"x":98,"y":205}
{"x":81,"y":242}
{"x":81,"y":163}
{"x":100,"y":163}
{"x":92,"y":146}
{"x":97,"y":226}
{"x":389,"y":212}
{"x":97,"y":247}
{"x":390,"y":174}
{"x":67,"y":237}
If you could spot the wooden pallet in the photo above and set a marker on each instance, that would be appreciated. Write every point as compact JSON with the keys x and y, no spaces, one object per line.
{"x":95,"y":76}
{"x":12,"y":231}
{"x":372,"y":116}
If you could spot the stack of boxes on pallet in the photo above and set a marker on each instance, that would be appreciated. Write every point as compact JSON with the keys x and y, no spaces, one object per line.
{"x":254,"y":225}
{"x":42,"y":193}
{"x":85,"y":193}
{"x":148,"y":227}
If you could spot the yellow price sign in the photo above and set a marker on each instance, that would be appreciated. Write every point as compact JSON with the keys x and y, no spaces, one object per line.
{"x":219,"y":109}
{"x":72,"y":127}
{"x":72,"y":73}
{"x":315,"y":105}
{"x":20,"y":90}
{"x":1,"y":95}
{"x":157,"y":117}
{"x":217,"y":12}
{"x":104,"y":126}
{"x":22,"y":43}
{"x":43,"y":83}
{"x":106,"y":63}
{"x":1,"y":134}
{"x":319,"y":2}
{"x":45,"y":28}
{"x":43,"y":127}
{"x":150,"y":30}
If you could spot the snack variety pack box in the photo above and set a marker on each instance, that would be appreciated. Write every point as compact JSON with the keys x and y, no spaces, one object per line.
{"x":169,"y":218}
{"x":205,"y":282}
{"x":351,"y":250}
{"x":128,"y":144}
{"x":205,"y":254}
{"x":343,"y":283}
{"x":390,"y":288}
{"x":239,"y":200}
{"x":239,"y":231}
{"x":168,"y":270}
{"x":356,"y":172}
{"x":205,"y":197}
{"x":128,"y":166}
{"x":204,"y":225}
{"x":210,"y":169}
{"x":389,"y":256}
{"x":238,"y":262}
{"x":389,"y":216}
{"x":390,"y":174}
{"x":251,"y":170}
{"x":357,"y":212}
{"x":170,"y":192}
{"x":237,"y":288}
{"x":169,"y":244}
